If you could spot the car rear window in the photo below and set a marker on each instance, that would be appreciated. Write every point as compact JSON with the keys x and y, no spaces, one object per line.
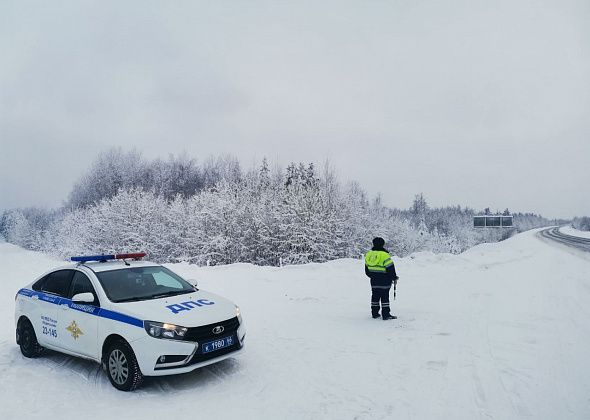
{"x":39,"y":283}
{"x":58,"y":282}
{"x":82,"y":284}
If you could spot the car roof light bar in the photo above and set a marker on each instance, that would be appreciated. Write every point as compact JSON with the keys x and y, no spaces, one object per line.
{"x":103,"y":258}
{"x":133,"y":255}
{"x":86,"y":258}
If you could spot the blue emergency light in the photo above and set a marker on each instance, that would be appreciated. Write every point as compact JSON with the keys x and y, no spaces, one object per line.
{"x":103,"y":258}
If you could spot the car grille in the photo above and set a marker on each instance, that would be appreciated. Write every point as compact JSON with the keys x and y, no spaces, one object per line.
{"x":205,"y":332}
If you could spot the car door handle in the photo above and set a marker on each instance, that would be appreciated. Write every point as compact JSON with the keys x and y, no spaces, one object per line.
{"x":64,"y":306}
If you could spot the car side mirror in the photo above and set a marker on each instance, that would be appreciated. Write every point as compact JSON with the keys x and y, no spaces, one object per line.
{"x":83,"y":298}
{"x":194,"y":283}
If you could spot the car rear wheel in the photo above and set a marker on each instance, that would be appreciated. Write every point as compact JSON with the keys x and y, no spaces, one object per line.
{"x":29,"y":346}
{"x":122,"y":367}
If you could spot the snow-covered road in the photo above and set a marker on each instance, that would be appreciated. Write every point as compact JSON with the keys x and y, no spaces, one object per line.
{"x":575,"y":239}
{"x":501,"y":331}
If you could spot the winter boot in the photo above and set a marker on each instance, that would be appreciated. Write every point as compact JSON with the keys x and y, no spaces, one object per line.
{"x":375,"y":309}
{"x":387,"y":317}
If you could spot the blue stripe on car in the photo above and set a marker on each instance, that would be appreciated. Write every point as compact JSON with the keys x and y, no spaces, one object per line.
{"x":89,"y":309}
{"x":116,"y":316}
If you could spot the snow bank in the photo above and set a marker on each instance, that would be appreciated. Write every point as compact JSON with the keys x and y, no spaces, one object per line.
{"x":568,"y":230}
{"x":501,"y":331}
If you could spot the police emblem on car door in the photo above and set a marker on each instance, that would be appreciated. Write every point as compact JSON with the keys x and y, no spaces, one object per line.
{"x":74,"y":330}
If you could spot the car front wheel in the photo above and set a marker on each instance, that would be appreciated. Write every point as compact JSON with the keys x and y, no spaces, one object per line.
{"x":29,"y":346}
{"x":122,"y":367}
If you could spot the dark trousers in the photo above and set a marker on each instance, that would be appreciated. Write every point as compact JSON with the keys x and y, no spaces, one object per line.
{"x":380,"y":294}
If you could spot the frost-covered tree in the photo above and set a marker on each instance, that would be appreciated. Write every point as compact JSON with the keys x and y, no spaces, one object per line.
{"x":419,"y":209}
{"x":581,"y":223}
{"x":179,"y":175}
{"x":216,"y":213}
{"x":113,"y":170}
{"x":26,"y":227}
{"x":527,"y":221}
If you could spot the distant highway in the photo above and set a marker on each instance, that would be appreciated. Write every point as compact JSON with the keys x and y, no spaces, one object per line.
{"x":569,"y":240}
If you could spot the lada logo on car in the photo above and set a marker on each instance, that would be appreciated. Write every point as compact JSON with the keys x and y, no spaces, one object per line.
{"x":218,"y":330}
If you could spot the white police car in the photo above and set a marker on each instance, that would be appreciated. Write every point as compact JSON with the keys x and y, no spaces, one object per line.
{"x":134,"y":317}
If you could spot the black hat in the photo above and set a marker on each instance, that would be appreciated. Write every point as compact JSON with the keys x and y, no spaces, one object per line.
{"x":378,"y":242}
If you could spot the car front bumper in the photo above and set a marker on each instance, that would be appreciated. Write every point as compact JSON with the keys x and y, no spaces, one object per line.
{"x":180,"y":356}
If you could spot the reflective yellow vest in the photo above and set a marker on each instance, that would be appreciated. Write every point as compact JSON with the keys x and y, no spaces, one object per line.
{"x":378,"y":261}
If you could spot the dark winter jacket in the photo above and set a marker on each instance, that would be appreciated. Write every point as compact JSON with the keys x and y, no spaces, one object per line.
{"x":385,"y":278}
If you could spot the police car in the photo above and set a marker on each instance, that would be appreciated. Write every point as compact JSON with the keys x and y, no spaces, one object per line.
{"x":134,"y":317}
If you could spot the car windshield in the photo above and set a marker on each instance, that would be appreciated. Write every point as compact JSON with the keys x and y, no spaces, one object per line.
{"x":142,"y":283}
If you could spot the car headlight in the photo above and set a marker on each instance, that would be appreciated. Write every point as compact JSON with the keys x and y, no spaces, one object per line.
{"x":160,"y":330}
{"x":239,"y":314}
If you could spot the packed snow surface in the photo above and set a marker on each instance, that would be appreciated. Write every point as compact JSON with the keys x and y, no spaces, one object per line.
{"x":501,"y":331}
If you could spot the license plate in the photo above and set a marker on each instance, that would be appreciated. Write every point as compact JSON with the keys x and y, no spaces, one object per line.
{"x":218,"y":344}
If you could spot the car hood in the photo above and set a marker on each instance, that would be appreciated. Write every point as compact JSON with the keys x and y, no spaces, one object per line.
{"x":189,"y":310}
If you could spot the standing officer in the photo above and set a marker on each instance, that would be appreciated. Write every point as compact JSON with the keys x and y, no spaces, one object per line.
{"x":380,"y":269}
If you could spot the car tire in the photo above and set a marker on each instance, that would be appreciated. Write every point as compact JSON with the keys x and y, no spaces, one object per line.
{"x":27,"y":339}
{"x":122,"y":367}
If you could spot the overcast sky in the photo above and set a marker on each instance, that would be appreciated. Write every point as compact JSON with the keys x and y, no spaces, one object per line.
{"x":479,"y":103}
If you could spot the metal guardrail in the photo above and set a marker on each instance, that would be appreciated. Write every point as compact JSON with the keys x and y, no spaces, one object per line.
{"x":574,"y":241}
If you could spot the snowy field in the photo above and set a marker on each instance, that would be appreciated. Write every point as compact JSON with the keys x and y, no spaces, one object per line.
{"x":501,"y":331}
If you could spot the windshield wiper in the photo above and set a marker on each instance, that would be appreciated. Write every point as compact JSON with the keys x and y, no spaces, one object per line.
{"x":154,"y":296}
{"x":132,"y":299}
{"x":170,"y":293}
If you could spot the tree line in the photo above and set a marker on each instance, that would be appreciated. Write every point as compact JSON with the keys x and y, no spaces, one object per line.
{"x":218,"y":213}
{"x":581,"y":223}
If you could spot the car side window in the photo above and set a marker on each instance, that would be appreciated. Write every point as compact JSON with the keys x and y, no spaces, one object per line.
{"x":58,"y":282}
{"x":39,"y":283}
{"x":82,"y":284}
